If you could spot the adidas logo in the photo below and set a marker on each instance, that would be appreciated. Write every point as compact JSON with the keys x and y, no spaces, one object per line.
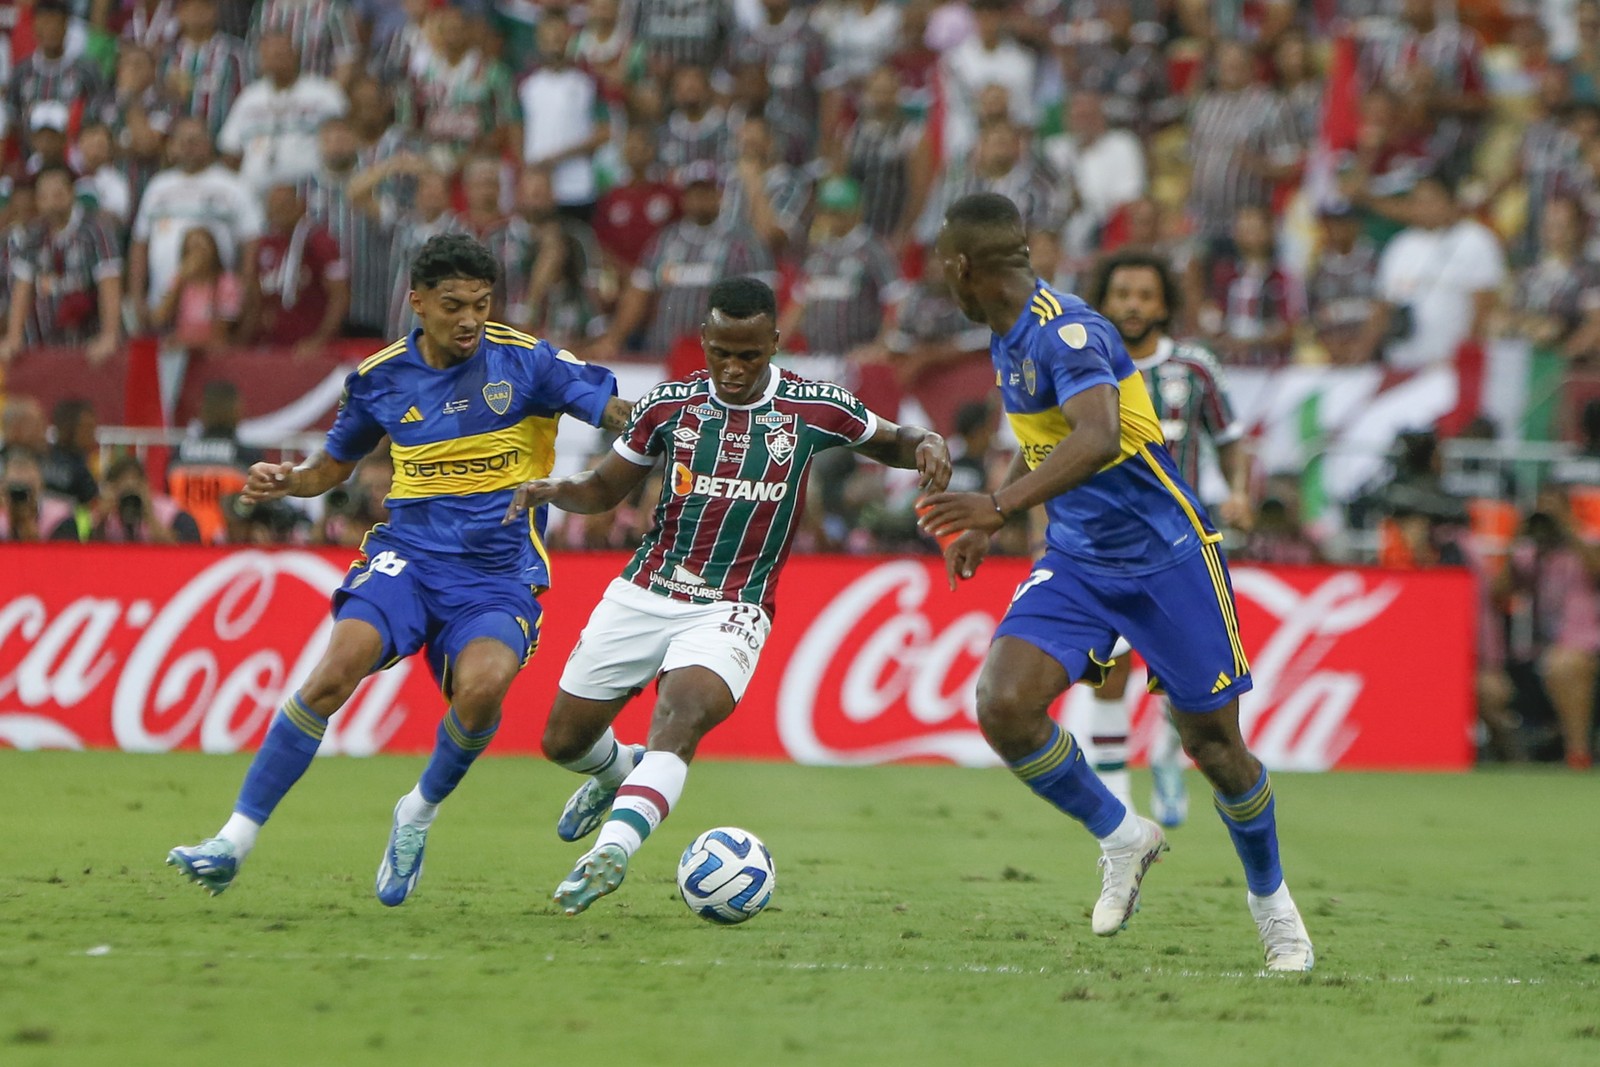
{"x":411,"y":415}
{"x":1223,"y":681}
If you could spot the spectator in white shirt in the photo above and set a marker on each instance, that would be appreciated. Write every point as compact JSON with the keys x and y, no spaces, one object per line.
{"x":564,"y":121}
{"x":1104,"y":167}
{"x":271,"y":130}
{"x":101,"y":184}
{"x":1437,"y":283}
{"x":988,"y":57}
{"x":194,"y":191}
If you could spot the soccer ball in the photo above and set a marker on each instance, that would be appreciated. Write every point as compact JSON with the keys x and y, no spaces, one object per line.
{"x":726,"y":875}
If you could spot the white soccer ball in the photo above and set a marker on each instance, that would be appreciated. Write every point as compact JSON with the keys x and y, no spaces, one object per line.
{"x":726,"y":875}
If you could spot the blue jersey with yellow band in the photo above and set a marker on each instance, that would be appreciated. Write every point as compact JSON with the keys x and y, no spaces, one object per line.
{"x":1137,"y":514}
{"x":462,"y":439}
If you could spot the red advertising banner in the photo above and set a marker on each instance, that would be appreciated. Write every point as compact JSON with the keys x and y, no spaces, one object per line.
{"x":149,"y":649}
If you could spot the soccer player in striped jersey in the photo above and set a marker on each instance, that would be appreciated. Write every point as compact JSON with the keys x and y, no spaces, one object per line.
{"x":695,"y":605}
{"x":1130,"y":551}
{"x":1136,"y":291}
{"x":470,"y":407}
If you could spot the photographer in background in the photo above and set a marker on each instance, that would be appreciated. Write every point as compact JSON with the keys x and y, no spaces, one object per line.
{"x":126,"y":511}
{"x":351,"y":509}
{"x":26,"y":511}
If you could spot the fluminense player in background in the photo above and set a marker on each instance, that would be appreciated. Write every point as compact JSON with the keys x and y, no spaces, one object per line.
{"x":470,"y":407}
{"x":1130,"y":551}
{"x":1137,"y":292}
{"x":695,"y":605}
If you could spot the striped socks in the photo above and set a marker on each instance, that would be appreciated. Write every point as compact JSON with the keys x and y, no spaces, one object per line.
{"x":1108,"y":734}
{"x":454,"y":749}
{"x":1059,"y":773}
{"x":291,"y":742}
{"x":603,"y":761}
{"x":1252,"y":822}
{"x":645,"y":799}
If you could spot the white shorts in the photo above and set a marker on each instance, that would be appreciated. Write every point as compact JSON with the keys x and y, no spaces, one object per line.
{"x":634,"y":635}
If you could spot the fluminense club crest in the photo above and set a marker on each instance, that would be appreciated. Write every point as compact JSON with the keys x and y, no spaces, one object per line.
{"x":780,"y":445}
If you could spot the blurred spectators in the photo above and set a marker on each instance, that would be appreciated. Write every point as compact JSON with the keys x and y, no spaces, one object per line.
{"x":1276,"y":537}
{"x":1443,"y":60}
{"x":70,"y":460}
{"x":1248,"y":311}
{"x":989,"y":56}
{"x":667,"y":291}
{"x":696,"y":130}
{"x":633,"y":211}
{"x":128,"y":510}
{"x":47,"y":137}
{"x":763,"y":192}
{"x":938,"y":354}
{"x":22,"y":426}
{"x":330,"y":204}
{"x":860,"y":35}
{"x":848,"y":286}
{"x":973,"y":455}
{"x":50,"y":75}
{"x":102,"y":187}
{"x":211,"y":465}
{"x":203,"y":305}
{"x":1104,"y":169}
{"x":428,"y":217}
{"x":324,"y":33}
{"x":676,"y":33}
{"x":204,"y":70}
{"x":141,"y":116}
{"x":1242,"y":140}
{"x":66,"y":270}
{"x":565,"y":121}
{"x":791,"y":55}
{"x":1437,"y":283}
{"x":195,"y":191}
{"x":301,"y":286}
{"x":1556,"y":301}
{"x":889,"y":156}
{"x":351,"y":509}
{"x":459,"y":99}
{"x":28,"y":513}
{"x":562,"y":268}
{"x":998,"y":165}
{"x":1343,"y":282}
{"x":1122,"y":61}
{"x":270,"y":134}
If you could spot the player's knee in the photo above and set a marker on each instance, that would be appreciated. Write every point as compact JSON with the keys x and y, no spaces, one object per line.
{"x":331,"y":683}
{"x":477,"y":699}
{"x":1004,"y":705}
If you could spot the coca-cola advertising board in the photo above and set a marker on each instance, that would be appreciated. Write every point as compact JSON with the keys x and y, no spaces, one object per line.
{"x":149,"y":649}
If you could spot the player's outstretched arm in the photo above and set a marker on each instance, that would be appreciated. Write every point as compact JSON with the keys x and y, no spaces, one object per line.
{"x":318,"y":474}
{"x":585,"y":493}
{"x":910,"y":448}
{"x":615,"y":417}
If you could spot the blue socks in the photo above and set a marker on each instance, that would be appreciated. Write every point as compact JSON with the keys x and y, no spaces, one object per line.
{"x":291,"y":742}
{"x":454,"y":749}
{"x":1251,"y":819}
{"x":1059,"y":773}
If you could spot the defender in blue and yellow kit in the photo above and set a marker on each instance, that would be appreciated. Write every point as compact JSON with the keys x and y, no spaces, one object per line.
{"x":1130,"y":551}
{"x":470,"y":408}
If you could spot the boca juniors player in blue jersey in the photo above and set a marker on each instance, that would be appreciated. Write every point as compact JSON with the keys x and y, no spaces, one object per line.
{"x":1130,"y":551}
{"x":470,"y":407}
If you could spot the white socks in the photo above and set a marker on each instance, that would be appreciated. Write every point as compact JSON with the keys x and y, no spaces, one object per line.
{"x":1278,"y":900}
{"x":606,"y":761}
{"x":240,"y":832}
{"x":644,"y":800}
{"x":415,"y":811}
{"x":1129,"y":832}
{"x":1108,"y":746}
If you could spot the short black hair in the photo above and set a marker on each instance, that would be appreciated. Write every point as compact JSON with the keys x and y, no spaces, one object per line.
{"x":988,"y":229}
{"x":1134,"y":259}
{"x":984,"y":209}
{"x":453,"y":255}
{"x":742,"y":298}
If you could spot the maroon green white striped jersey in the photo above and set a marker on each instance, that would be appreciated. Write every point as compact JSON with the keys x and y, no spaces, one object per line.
{"x":1190,"y":394}
{"x":735,"y":483}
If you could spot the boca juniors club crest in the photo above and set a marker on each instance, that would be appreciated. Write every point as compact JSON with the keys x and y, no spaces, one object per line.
{"x":498,"y":397}
{"x":780,"y":445}
{"x":1030,"y":375}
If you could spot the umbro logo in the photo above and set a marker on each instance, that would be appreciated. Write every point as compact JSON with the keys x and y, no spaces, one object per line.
{"x":411,"y":415}
{"x":685,"y":436}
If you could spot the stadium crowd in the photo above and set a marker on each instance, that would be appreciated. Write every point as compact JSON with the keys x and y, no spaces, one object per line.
{"x":1345,"y":182}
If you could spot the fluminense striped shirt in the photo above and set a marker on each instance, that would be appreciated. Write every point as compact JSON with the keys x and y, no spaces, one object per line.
{"x":1225,"y":128}
{"x":324,"y":32}
{"x":454,"y":105}
{"x":683,"y":263}
{"x":151,"y":25}
{"x":685,"y":32}
{"x":35,"y":80}
{"x":1026,"y":185}
{"x":1551,"y":163}
{"x":788,"y":189}
{"x":363,"y":241}
{"x":684,"y":141}
{"x":793,"y":56}
{"x":1132,"y":82}
{"x":66,"y":270}
{"x":410,"y":234}
{"x":846,"y":285}
{"x":1341,"y":290}
{"x":878,"y":156}
{"x":212,"y":73}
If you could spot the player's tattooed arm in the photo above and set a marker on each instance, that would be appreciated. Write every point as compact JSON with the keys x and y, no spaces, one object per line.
{"x":615,"y":417}
{"x":318,"y":474}
{"x":585,"y":493}
{"x":910,"y":448}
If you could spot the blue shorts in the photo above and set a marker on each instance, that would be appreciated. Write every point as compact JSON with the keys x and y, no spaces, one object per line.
{"x":1180,"y":619}
{"x":415,"y":601}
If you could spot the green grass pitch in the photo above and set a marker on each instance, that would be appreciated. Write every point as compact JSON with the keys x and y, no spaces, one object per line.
{"x":924,"y":915}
